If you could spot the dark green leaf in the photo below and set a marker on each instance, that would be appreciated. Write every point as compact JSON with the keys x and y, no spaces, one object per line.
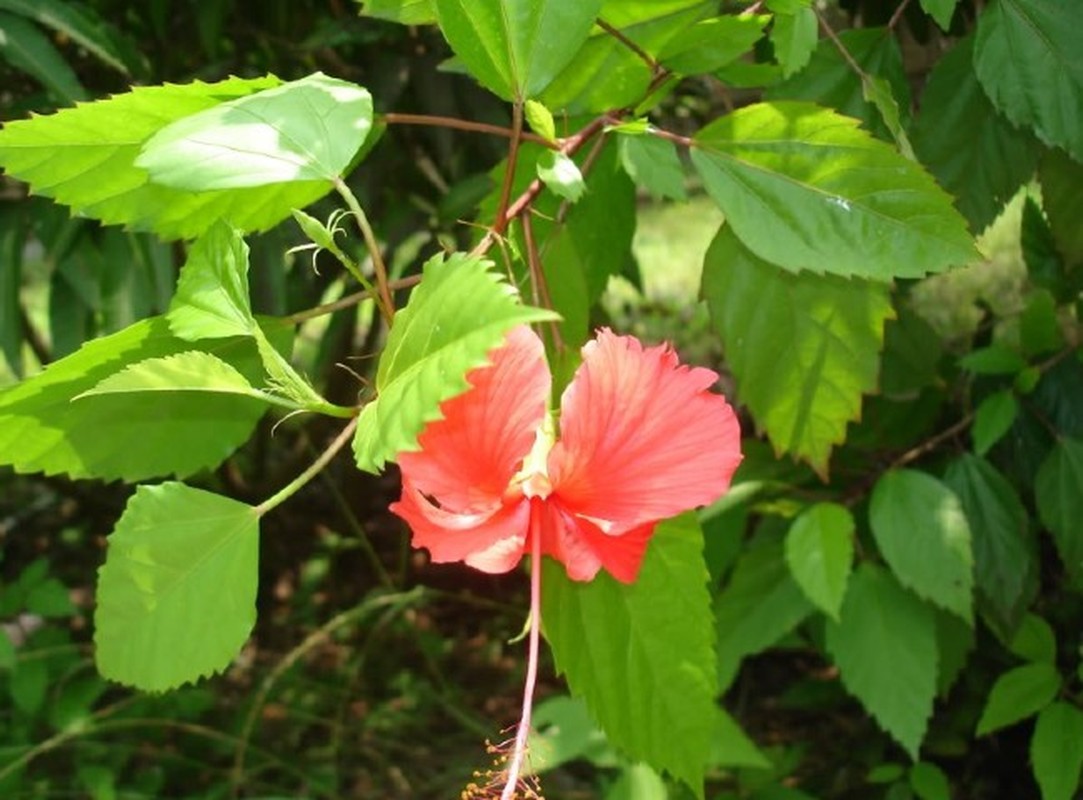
{"x":992,"y":419}
{"x":712,"y":43}
{"x":12,"y":239}
{"x":1061,"y":177}
{"x":921,"y":529}
{"x":954,"y":643}
{"x":653,"y":164}
{"x":911,"y":357}
{"x":1058,"y":489}
{"x":942,"y":11}
{"x":1045,"y":265}
{"x":1019,"y":693}
{"x":1034,"y":640}
{"x":996,"y":359}
{"x":79,"y":23}
{"x":27,"y":49}
{"x":885,"y":648}
{"x":640,"y":654}
{"x":804,"y":188}
{"x":820,"y":552}
{"x":1056,"y":750}
{"x":1044,"y":87}
{"x":177,"y":592}
{"x":803,"y":348}
{"x":28,"y":684}
{"x":929,"y":782}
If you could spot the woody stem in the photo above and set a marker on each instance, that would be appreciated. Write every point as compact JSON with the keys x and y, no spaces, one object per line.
{"x":523,"y":731}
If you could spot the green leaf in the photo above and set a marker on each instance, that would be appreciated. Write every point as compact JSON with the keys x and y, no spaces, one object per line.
{"x":1044,"y":88}
{"x":992,"y":419}
{"x":540,"y":120}
{"x":794,"y":38}
{"x":653,"y":164}
{"x":973,"y":151}
{"x":1061,"y":177}
{"x":929,"y":782}
{"x":640,"y":654}
{"x":638,"y":782}
{"x":1058,"y":488}
{"x":1005,"y":558}
{"x":885,"y":649}
{"x":177,"y":592}
{"x":1045,"y":265}
{"x":820,"y":552}
{"x":1034,"y":640}
{"x":829,"y":80}
{"x":456,"y":315}
{"x":1019,"y":693}
{"x":941,"y":11}
{"x":12,"y":245}
{"x":731,"y":746}
{"x":211,"y":300}
{"x":77,"y":22}
{"x":759,"y":605}
{"x":712,"y":43}
{"x":304,"y":130}
{"x":921,"y":529}
{"x":996,"y":359}
{"x":515,"y":48}
{"x":804,"y":348}
{"x":804,"y":188}
{"x":878,"y":91}
{"x":50,"y":598}
{"x":28,"y":685}
{"x":954,"y":643}
{"x":561,"y":175}
{"x":1056,"y":750}
{"x":84,"y":157}
{"x":563,"y":731}
{"x":28,"y":49}
{"x":41,"y":430}
{"x":405,"y":12}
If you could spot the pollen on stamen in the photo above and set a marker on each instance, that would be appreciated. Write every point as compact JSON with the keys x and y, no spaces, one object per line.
{"x":489,"y":784}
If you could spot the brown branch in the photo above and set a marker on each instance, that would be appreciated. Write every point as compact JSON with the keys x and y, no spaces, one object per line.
{"x":346,"y":302}
{"x":835,"y":40}
{"x":643,"y":55}
{"x":501,"y":220}
{"x":932,"y":443}
{"x":538,"y":282}
{"x":897,"y":15}
{"x":466,"y":125}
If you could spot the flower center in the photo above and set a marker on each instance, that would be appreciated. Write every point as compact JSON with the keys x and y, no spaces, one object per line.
{"x":533,"y":479}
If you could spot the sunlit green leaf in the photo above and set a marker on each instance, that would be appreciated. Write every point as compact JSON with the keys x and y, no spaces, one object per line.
{"x":794,"y":38}
{"x":885,"y":648}
{"x":177,"y":593}
{"x":1044,"y":87}
{"x":712,"y":43}
{"x":922,"y":532}
{"x":561,"y":175}
{"x":805,"y":188}
{"x":457,"y":314}
{"x":1056,"y":750}
{"x":641,"y":654}
{"x":406,"y":12}
{"x":212,"y":294}
{"x":305,"y":130}
{"x":804,"y":348}
{"x":1019,"y":693}
{"x":820,"y":552}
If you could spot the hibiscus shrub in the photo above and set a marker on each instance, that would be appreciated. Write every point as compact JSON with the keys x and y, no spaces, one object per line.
{"x":903,"y":507}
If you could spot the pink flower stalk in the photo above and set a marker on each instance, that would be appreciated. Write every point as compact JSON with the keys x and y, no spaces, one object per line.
{"x":641,"y":439}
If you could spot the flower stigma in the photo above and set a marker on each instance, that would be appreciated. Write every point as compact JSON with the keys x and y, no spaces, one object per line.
{"x":533,"y":479}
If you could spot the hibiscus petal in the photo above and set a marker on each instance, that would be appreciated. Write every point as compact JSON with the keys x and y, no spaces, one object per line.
{"x":641,"y":437}
{"x":492,"y":540}
{"x":584,"y":548}
{"x":468,"y":458}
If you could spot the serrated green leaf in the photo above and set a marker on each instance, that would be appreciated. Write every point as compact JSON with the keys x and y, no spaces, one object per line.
{"x":829,"y":80}
{"x":561,"y":175}
{"x":885,"y":648}
{"x":820,"y":552}
{"x":794,"y":38}
{"x":1061,"y":177}
{"x":457,"y":314}
{"x":540,"y":119}
{"x":641,"y":654}
{"x":305,"y":130}
{"x":212,"y":300}
{"x":942,"y":11}
{"x":992,"y":419}
{"x":27,"y":49}
{"x":974,"y":152}
{"x":804,"y":188}
{"x":177,"y":592}
{"x":1034,"y":640}
{"x":1056,"y":751}
{"x":955,"y":642}
{"x":653,"y":164}
{"x":1058,"y":488}
{"x":1017,"y":694}
{"x":78,"y":23}
{"x":84,"y":157}
{"x":922,"y":531}
{"x":804,"y":348}
{"x":41,"y":430}
{"x":1044,"y":87}
{"x":759,"y":605}
{"x":1005,"y":558}
{"x":712,"y":43}
{"x":405,"y":12}
{"x":929,"y":782}
{"x":515,"y":48}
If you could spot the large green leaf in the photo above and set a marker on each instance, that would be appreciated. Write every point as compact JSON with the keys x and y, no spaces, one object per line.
{"x":922,"y":532}
{"x":804,"y":348}
{"x":1058,"y":489}
{"x":1019,"y":693}
{"x":1056,"y":750}
{"x":759,"y":605}
{"x":820,"y":552}
{"x":1005,"y":558}
{"x":641,"y":654}
{"x":457,"y":314}
{"x":77,"y":22}
{"x":177,"y":592}
{"x":712,"y":43}
{"x":1061,"y":177}
{"x":885,"y":649}
{"x":26,"y":48}
{"x":516,"y":47}
{"x":124,"y":436}
{"x":805,"y":188}
{"x":974,"y":152}
{"x":305,"y":130}
{"x":1027,"y":57}
{"x":84,"y":157}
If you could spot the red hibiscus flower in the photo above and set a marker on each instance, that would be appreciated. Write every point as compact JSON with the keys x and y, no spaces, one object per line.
{"x":640,"y":439}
